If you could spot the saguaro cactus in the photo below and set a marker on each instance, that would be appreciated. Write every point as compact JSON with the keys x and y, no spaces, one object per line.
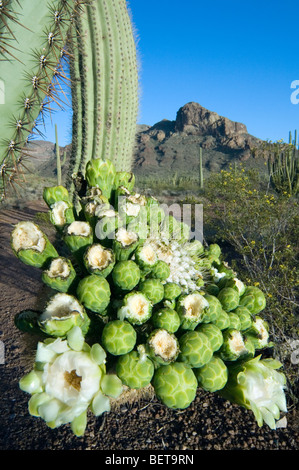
{"x":32,"y":45}
{"x":283,"y":167}
{"x":96,"y":37}
{"x":104,"y":86}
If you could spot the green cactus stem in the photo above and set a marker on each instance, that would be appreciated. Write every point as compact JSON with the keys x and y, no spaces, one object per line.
{"x":200,"y":169}
{"x":30,"y":68}
{"x":104,"y":77}
{"x":58,"y":161}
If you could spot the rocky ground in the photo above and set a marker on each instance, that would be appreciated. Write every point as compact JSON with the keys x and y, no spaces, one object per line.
{"x":141,"y":423}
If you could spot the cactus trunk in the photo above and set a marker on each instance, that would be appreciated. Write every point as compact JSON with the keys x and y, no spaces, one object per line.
{"x":96,"y":37}
{"x":30,"y":67}
{"x":104,"y":87}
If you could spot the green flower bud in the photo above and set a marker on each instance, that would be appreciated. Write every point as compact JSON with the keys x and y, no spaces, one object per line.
{"x":126,"y":275}
{"x":31,"y":245}
{"x":61,"y":214}
{"x":213,"y":310}
{"x":93,"y":291}
{"x":196,"y":349}
{"x":101,"y":174}
{"x":236,"y":284}
{"x":136,"y":308}
{"x":191,"y":309}
{"x":111,"y":385}
{"x":200,"y":282}
{"x":54,"y":194}
{"x":212,"y":289}
{"x":213,"y":333}
{"x":222,"y":321}
{"x":161,"y":270}
{"x":61,"y":314}
{"x":163,"y":347}
{"x":244,"y":316}
{"x":153,"y":289}
{"x":124,"y":178}
{"x":194,"y":248}
{"x":99,"y":260}
{"x":234,"y":321}
{"x":253,"y":299}
{"x":60,"y":274}
{"x":249,"y":346}
{"x":258,"y":333}
{"x":213,"y":375}
{"x":172,"y":291}
{"x":124,"y":244}
{"x":135,"y":370}
{"x":77,"y":236}
{"x":213,"y":252}
{"x":256,"y":385}
{"x":203,"y":264}
{"x":229,"y":298}
{"x":233,"y":346}
{"x":175,"y":385}
{"x":166,"y":318}
{"x":169,"y":304}
{"x":224,"y":269}
{"x":118,"y":337}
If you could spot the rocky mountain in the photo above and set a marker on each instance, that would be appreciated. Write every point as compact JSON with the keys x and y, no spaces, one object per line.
{"x":173,"y":146}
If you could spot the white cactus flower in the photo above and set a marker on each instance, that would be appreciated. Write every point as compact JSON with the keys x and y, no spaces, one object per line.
{"x":64,"y":382}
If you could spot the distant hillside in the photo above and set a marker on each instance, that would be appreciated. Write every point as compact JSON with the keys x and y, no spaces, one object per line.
{"x":173,"y":146}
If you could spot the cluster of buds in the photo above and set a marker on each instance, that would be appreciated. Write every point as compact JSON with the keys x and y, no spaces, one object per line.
{"x":136,"y":293}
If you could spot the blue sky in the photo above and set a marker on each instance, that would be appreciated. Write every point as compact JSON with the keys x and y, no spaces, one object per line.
{"x":238,"y":59}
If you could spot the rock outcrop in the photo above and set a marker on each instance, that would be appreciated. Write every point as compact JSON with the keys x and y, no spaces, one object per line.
{"x":173,"y":146}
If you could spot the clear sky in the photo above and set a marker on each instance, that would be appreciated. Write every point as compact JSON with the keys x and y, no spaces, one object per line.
{"x":236,"y":58}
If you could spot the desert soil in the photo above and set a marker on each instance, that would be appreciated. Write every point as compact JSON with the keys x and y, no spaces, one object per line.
{"x":142,"y":423}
